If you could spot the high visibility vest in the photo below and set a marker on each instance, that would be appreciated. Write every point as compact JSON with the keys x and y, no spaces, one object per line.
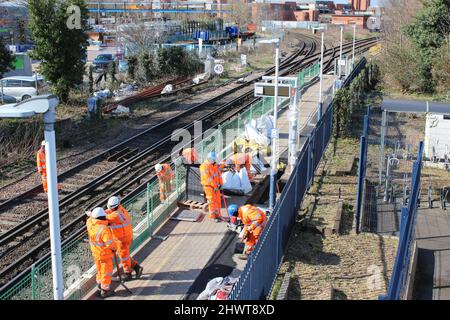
{"x":239,"y":160}
{"x":191,"y":155}
{"x":119,"y":222}
{"x":252,"y":217}
{"x":210,"y":175}
{"x":40,"y":161}
{"x":100,"y":238}
{"x":166,"y":173}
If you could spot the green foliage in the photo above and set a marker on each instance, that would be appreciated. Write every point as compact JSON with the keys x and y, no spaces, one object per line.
{"x":352,"y":99}
{"x":91,"y":79}
{"x":132,"y":66}
{"x":6,"y":59}
{"x":441,"y":69}
{"x":61,"y":49}
{"x":146,"y":67}
{"x":428,"y":32}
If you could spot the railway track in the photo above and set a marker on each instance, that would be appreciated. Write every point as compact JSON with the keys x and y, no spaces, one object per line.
{"x":28,"y":241}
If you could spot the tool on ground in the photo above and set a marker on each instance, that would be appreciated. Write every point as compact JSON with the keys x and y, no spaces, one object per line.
{"x":120,"y":275}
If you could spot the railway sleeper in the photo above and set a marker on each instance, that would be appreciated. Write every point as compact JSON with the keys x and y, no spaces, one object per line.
{"x":115,"y":155}
{"x":128,"y":155}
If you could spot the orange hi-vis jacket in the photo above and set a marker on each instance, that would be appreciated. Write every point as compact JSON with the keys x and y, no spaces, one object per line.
{"x":119,"y":222}
{"x":40,"y":161}
{"x":210,"y":175}
{"x":101,"y":239}
{"x":191,"y":155}
{"x":166,"y":173}
{"x":253,"y":218}
{"x":241,"y":160}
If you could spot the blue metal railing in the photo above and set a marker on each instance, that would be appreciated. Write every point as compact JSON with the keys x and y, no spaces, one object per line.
{"x":364,"y":143}
{"x":397,"y":283}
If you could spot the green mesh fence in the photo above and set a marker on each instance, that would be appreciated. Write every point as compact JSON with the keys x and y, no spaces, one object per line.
{"x":147,"y":211}
{"x":308,"y":74}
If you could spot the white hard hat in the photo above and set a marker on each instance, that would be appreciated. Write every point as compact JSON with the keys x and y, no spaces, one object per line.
{"x":113,"y":202}
{"x":43,"y":143}
{"x":158,"y":167}
{"x":98,"y":213}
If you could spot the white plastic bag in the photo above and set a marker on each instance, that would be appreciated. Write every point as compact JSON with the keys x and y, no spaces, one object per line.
{"x":251,"y":133}
{"x":246,"y":186}
{"x":231,"y":181}
{"x":211,"y":288}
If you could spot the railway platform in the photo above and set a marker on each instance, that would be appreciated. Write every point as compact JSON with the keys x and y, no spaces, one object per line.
{"x":183,"y":256}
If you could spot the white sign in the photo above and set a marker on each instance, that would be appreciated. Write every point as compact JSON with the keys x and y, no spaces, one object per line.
{"x":243,"y":59}
{"x":274,"y":134}
{"x":218,"y":69}
{"x":342,"y":62}
{"x":12,"y":49}
{"x":219,"y":61}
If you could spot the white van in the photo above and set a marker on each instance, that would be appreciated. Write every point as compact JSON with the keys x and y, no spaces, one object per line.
{"x":22,"y":88}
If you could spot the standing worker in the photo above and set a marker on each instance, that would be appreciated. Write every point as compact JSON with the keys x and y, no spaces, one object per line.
{"x":239,"y":160}
{"x":103,"y":247}
{"x":41,"y":166}
{"x":190,"y":156}
{"x":165,"y":174}
{"x":122,"y":230}
{"x":254,"y":220}
{"x":211,"y":180}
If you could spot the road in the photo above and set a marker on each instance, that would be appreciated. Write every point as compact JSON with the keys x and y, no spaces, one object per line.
{"x":415,"y":106}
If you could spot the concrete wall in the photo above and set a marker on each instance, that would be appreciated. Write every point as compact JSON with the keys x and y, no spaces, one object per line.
{"x":437,"y":136}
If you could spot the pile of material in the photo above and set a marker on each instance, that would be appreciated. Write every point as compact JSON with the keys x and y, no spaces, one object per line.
{"x":218,"y":289}
{"x":236,"y":182}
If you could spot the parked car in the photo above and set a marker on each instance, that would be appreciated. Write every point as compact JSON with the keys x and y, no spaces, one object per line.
{"x":102,"y":60}
{"x":22,"y":87}
{"x":7,"y":99}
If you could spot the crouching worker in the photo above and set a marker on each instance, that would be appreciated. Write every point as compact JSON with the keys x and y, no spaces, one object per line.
{"x":254,"y":221}
{"x":122,"y":230}
{"x":103,"y":247}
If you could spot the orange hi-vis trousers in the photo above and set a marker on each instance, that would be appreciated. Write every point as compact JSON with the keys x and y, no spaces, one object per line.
{"x":252,"y":239}
{"x":105,"y":269}
{"x":214,"y":201}
{"x":123,"y":250}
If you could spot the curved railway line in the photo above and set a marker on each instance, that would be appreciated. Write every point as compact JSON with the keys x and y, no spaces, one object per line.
{"x":124,"y":169}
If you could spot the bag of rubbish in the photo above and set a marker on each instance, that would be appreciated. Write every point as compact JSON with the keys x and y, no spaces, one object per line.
{"x":245,"y":186}
{"x":211,"y":288}
{"x":231,"y":181}
{"x":167,"y":89}
{"x":251,"y":133}
{"x":121,"y":109}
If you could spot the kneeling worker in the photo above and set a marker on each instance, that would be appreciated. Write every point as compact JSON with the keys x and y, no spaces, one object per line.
{"x":254,"y":221}
{"x":122,"y":230}
{"x":103,"y":245}
{"x":211,"y":180}
{"x":165,"y":174}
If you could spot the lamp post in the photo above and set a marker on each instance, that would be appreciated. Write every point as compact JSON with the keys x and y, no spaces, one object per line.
{"x":319,"y":107}
{"x":340,"y":52}
{"x":274,"y":133}
{"x":46,"y":105}
{"x":353,"y":49}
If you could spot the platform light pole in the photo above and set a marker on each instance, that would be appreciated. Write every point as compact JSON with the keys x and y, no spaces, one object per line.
{"x":274,"y":133}
{"x":340,"y":52}
{"x":319,"y":107}
{"x":46,"y":105}
{"x":353,"y":49}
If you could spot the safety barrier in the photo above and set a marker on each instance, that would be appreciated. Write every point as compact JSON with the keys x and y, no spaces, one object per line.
{"x":398,"y":281}
{"x":308,"y":74}
{"x":364,"y":144}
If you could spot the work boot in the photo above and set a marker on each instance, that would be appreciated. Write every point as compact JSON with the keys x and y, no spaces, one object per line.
{"x":98,"y":293}
{"x":243,"y":256}
{"x":127,"y":276}
{"x":138,"y":269}
{"x":107,"y":293}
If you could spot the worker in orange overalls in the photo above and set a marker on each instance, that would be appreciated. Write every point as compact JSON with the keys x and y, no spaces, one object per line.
{"x":254,"y":221}
{"x":122,"y":230}
{"x":211,"y":180}
{"x":41,"y":166}
{"x":190,"y":156}
{"x":103,"y":246}
{"x":40,"y":162}
{"x":165,"y":175}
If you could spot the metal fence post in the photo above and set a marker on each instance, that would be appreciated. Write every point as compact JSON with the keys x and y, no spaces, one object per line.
{"x":33,"y":293}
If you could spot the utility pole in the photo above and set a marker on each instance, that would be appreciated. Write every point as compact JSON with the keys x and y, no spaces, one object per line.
{"x":319,"y":107}
{"x":274,"y":162}
{"x":340,"y":51}
{"x":353,"y":49}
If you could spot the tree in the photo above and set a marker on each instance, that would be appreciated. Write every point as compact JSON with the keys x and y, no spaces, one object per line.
{"x":240,"y":14}
{"x":60,"y":44}
{"x":91,"y":79}
{"x":441,"y":69}
{"x":6,"y":59}
{"x":428,"y":32}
